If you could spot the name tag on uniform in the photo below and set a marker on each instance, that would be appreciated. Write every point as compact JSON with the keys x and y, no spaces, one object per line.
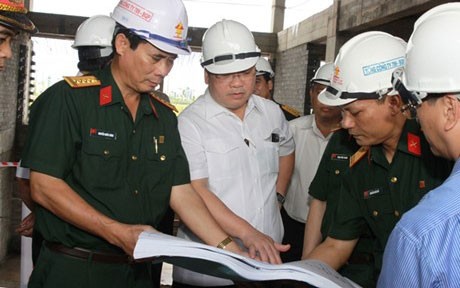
{"x":339,"y":157}
{"x":369,"y":193}
{"x":93,"y":132}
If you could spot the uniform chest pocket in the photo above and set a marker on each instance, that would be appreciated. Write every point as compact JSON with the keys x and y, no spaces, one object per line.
{"x":102,"y":163}
{"x":160,"y":157}
{"x":160,"y":152}
{"x":333,"y":180}
{"x":223,"y":157}
{"x":378,"y":202}
{"x":336,"y":169}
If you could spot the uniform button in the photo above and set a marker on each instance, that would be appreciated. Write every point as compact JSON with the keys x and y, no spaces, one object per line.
{"x":136,"y":192}
{"x":134,"y":157}
{"x":394,"y":179}
{"x":396,"y":213}
{"x":162,"y":157}
{"x":106,"y":152}
{"x":375,"y":213}
{"x":134,"y":131}
{"x":337,"y":172}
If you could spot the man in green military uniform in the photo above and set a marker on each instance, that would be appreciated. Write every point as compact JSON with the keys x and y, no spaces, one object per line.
{"x":324,"y":190}
{"x":394,"y":168}
{"x":106,"y":158}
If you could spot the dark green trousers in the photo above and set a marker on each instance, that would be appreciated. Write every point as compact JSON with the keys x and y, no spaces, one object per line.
{"x":56,"y":270}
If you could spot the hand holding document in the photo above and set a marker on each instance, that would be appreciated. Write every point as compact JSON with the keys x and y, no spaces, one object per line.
{"x":210,"y":260}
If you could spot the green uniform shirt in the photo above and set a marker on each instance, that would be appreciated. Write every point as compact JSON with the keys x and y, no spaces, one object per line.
{"x":326,"y":187}
{"x":123,"y":168}
{"x":376,"y":193}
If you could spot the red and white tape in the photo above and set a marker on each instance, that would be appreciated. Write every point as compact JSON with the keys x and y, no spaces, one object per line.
{"x":9,"y":164}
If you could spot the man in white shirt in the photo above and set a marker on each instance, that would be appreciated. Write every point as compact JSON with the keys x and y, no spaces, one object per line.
{"x":311,"y":135}
{"x":239,"y":148}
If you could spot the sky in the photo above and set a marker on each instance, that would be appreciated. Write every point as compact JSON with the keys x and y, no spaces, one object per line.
{"x":61,"y":60}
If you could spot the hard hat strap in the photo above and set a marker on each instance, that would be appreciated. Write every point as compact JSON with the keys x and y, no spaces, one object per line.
{"x":227,"y":57}
{"x":408,"y":97}
{"x":354,"y":95}
{"x":320,"y":81}
{"x":181,"y":44}
{"x":89,"y":52}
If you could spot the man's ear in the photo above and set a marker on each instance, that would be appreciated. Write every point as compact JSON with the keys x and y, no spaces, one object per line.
{"x":451,"y":111}
{"x":206,"y":76}
{"x":395,"y":103}
{"x":270,"y":85}
{"x":121,"y":43}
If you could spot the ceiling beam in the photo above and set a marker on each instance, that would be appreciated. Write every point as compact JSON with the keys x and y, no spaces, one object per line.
{"x":65,"y":27}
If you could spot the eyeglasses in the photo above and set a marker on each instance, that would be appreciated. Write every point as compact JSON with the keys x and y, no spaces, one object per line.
{"x":244,"y":76}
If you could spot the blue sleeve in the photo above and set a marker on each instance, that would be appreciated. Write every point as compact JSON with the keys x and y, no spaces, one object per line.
{"x":402,"y":262}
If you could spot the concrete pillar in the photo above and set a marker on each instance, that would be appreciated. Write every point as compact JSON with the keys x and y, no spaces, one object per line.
{"x":315,"y":54}
{"x":278,"y":8}
{"x":8,"y":102}
{"x":333,"y":41}
{"x":11,"y":85}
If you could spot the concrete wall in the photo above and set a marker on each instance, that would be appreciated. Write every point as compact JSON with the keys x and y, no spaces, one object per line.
{"x":333,"y":27}
{"x":353,"y":16}
{"x":290,"y":77}
{"x":293,"y":77}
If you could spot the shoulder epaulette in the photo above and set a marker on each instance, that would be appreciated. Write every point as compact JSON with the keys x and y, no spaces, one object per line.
{"x":164,"y":102}
{"x":358,"y":155}
{"x":291,"y":110}
{"x":82,"y":81}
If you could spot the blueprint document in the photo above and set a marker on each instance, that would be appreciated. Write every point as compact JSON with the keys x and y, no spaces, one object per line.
{"x":217,"y":262}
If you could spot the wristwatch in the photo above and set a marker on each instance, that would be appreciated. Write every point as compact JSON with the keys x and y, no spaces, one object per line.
{"x":280,"y":197}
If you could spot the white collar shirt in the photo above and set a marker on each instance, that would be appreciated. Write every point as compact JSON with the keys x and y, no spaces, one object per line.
{"x":239,"y":158}
{"x":310,"y":144}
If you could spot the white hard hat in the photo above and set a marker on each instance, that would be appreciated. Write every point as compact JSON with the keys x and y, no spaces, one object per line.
{"x":324,"y":74}
{"x":433,"y":54}
{"x":96,"y":31}
{"x":363,"y":68}
{"x":163,"y":23}
{"x":264,"y":67}
{"x":229,"y":47}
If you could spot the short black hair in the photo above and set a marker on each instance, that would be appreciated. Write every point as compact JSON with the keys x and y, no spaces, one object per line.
{"x":134,"y":40}
{"x":91,"y":65}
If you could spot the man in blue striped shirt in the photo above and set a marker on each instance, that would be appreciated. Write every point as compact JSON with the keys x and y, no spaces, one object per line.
{"x":424,"y":248}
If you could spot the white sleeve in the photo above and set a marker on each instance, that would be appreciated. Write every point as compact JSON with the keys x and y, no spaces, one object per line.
{"x":287,"y":146}
{"x":22,"y":172}
{"x":194,"y":148}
